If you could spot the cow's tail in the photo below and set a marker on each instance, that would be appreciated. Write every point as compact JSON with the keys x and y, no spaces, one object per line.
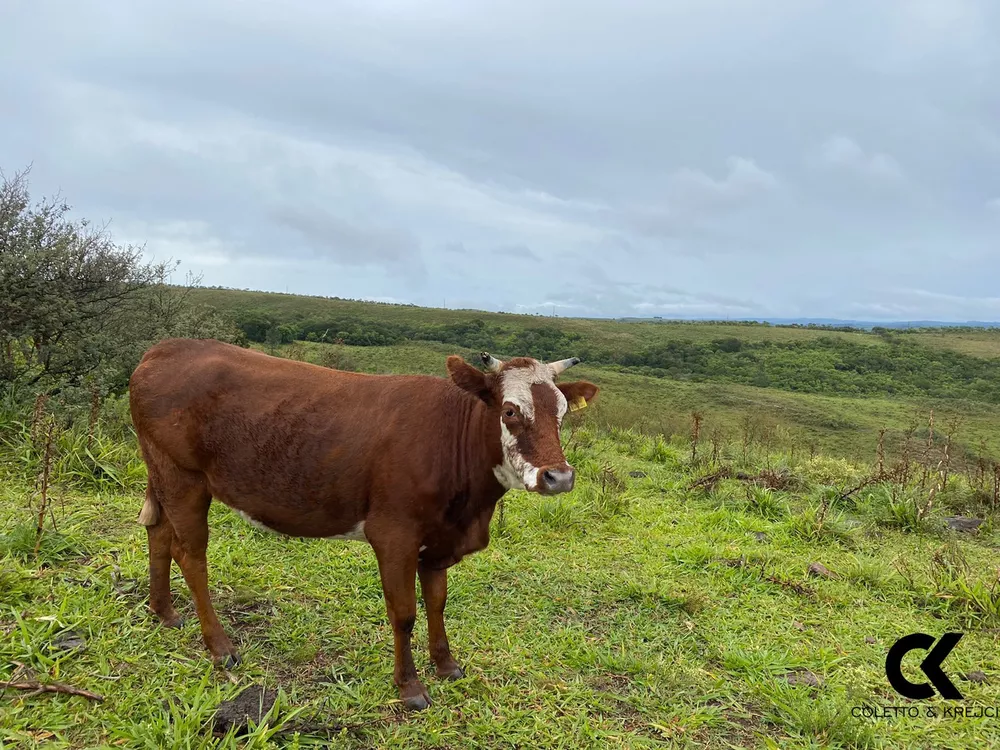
{"x":150,"y":513}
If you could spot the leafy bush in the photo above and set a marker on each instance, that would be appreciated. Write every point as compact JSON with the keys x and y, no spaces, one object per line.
{"x":78,"y":310}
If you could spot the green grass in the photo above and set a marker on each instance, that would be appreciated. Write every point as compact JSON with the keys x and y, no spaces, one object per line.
{"x":983,"y":343}
{"x":634,"y":612}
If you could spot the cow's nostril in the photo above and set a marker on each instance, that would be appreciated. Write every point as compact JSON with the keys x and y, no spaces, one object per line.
{"x":554,"y":481}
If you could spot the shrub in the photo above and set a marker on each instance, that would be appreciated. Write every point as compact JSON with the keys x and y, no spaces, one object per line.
{"x":337,"y":359}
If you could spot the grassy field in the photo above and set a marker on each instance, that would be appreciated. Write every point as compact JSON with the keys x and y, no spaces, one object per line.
{"x":977,"y":343}
{"x":635,"y":612}
{"x":651,"y":607}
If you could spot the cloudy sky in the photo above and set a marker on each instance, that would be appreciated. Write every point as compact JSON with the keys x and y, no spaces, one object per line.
{"x":683,"y":158}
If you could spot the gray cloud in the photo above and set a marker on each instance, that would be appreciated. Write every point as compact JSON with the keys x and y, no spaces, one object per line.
{"x":692,"y":198}
{"x":517,"y":251}
{"x":639,"y":299}
{"x":704,"y":158}
{"x":842,"y":152}
{"x":346,"y":242}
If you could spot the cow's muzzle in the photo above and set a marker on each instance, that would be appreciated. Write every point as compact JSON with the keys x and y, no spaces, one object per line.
{"x":556,"y":479}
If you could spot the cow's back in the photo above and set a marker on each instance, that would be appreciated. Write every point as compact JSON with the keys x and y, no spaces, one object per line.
{"x":273,"y":435}
{"x":194,"y":399}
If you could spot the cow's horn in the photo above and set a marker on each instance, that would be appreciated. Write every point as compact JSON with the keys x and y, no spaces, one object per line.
{"x":563,"y":364}
{"x":492,"y":363}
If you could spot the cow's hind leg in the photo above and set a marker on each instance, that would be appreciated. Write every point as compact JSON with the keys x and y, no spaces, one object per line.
{"x":161,"y":538}
{"x":434,"y":585}
{"x":185,"y":502}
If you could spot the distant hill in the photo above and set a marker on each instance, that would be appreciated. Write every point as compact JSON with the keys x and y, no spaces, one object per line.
{"x":271,"y":299}
{"x":865,"y":325}
{"x":869,"y":324}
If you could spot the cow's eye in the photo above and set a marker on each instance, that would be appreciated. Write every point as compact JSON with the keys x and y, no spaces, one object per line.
{"x":509,"y":413}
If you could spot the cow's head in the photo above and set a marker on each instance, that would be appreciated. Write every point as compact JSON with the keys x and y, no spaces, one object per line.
{"x":523,"y":396}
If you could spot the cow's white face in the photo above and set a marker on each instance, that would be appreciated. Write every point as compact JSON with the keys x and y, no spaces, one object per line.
{"x":519,"y":416}
{"x":530,"y":407}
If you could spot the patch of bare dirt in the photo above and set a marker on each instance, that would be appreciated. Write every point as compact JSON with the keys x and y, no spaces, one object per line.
{"x":618,"y":684}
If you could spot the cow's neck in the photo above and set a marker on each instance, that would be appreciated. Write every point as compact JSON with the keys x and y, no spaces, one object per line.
{"x":484,"y":450}
{"x":475,"y":490}
{"x":477,"y":452}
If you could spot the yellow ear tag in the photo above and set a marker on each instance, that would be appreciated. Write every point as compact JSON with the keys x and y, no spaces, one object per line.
{"x":578,"y":403}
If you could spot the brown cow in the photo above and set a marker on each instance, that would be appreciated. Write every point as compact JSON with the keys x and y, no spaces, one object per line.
{"x":412,"y":464}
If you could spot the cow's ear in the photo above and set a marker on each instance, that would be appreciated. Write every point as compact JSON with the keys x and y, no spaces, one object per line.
{"x":578,"y":394}
{"x":468,"y":378}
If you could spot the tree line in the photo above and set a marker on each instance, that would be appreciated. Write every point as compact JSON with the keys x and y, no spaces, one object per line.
{"x":823,"y":365}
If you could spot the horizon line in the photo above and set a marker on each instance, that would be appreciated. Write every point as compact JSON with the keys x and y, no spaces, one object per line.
{"x":785,"y":320}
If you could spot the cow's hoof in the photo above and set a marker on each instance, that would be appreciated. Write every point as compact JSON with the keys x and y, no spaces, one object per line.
{"x":453,"y":673}
{"x":415,"y":697}
{"x":229,"y":660}
{"x":169,"y":618}
{"x":416,"y":703}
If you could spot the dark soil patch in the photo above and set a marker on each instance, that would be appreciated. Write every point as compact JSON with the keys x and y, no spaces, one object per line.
{"x":804,"y":677}
{"x":617,"y":684}
{"x":250,"y":705}
{"x":745,"y":729}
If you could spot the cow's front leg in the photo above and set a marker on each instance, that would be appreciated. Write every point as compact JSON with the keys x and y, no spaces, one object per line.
{"x":434,"y":585}
{"x":398,"y":567}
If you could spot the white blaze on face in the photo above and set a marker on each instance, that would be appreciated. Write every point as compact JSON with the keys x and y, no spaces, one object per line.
{"x":516,"y":472}
{"x":562,"y":405}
